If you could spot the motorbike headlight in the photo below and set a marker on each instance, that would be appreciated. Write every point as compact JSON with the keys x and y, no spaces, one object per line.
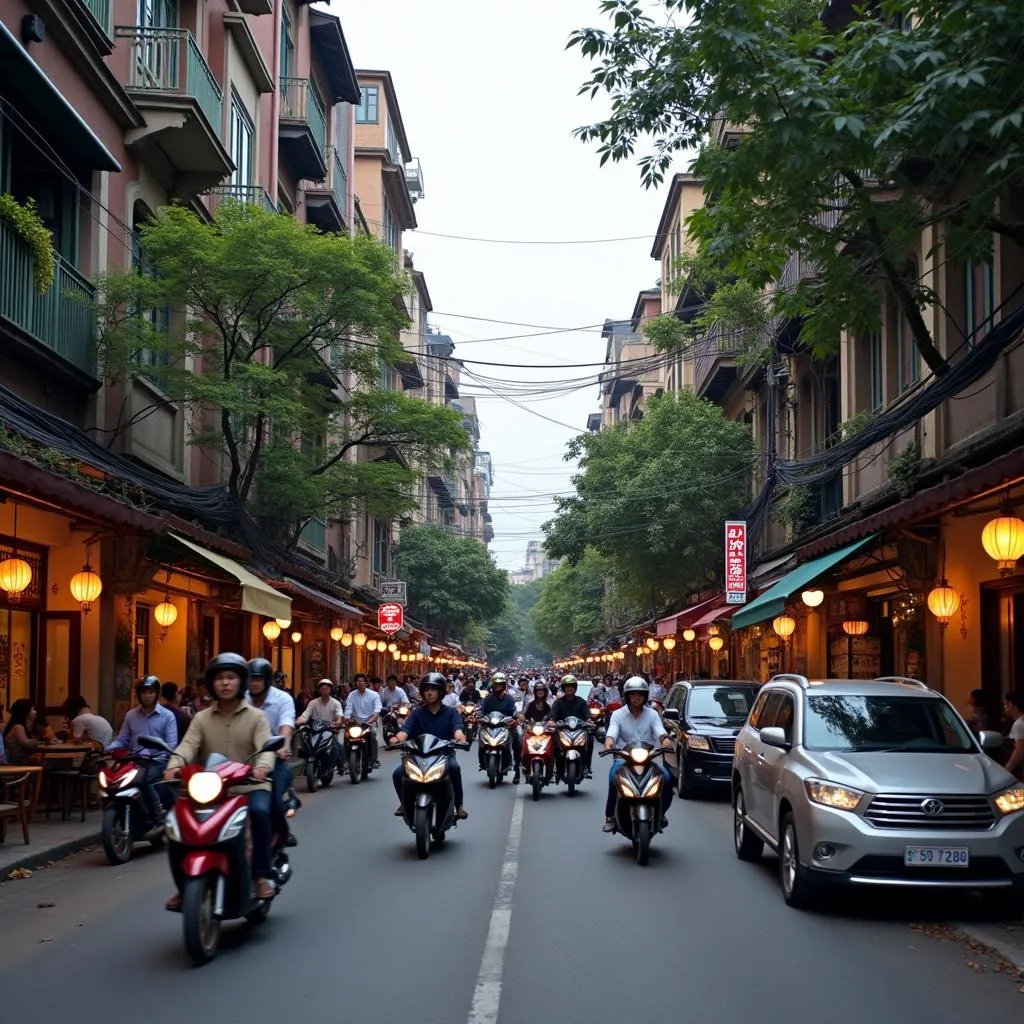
{"x":234,"y":825}
{"x":653,"y":788}
{"x":403,"y":710}
{"x":538,"y":730}
{"x":695,"y":742}
{"x":1010,"y":800}
{"x":171,"y":827}
{"x":205,"y":787}
{"x":470,"y":708}
{"x":595,"y":712}
{"x":828,"y":794}
{"x":565,"y":740}
{"x":102,"y":779}
{"x":639,"y":755}
{"x":435,"y":772}
{"x":355,"y":731}
{"x":412,"y":771}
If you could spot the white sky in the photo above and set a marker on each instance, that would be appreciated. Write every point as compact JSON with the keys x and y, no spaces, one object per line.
{"x":488,"y":97}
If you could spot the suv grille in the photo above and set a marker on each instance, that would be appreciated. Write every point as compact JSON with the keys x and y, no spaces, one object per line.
{"x":723,"y":744}
{"x":958,"y":813}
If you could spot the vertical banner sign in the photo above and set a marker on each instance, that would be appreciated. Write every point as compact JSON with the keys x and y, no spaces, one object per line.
{"x":735,"y":562}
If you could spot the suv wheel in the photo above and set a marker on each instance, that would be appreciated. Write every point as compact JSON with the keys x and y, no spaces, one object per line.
{"x":796,"y":890}
{"x":684,"y":784}
{"x":747,"y":845}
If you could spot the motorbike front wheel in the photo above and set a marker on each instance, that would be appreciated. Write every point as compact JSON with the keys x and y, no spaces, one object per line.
{"x":643,"y":842}
{"x":537,"y":779}
{"x":570,"y":777}
{"x":492,"y":772}
{"x":117,"y":835}
{"x":421,"y":826}
{"x":202,"y":929}
{"x":355,"y":767}
{"x":311,"y":776}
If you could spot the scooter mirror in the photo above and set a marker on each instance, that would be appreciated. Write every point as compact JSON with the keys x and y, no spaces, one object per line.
{"x":273,"y":744}
{"x":154,"y":743}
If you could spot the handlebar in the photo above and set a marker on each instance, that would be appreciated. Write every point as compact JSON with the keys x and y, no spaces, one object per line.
{"x":624,"y":751}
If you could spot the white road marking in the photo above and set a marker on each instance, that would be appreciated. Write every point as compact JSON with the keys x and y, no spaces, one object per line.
{"x":487,"y":994}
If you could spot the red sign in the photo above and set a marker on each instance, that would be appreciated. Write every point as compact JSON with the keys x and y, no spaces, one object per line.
{"x":735,"y":562}
{"x":390,"y":618}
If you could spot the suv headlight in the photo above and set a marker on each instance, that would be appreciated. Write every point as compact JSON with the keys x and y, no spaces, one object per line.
{"x":830,"y":795}
{"x":695,"y":742}
{"x":1010,"y":800}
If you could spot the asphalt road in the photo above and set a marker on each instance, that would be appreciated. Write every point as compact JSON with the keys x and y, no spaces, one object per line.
{"x":365,"y":931}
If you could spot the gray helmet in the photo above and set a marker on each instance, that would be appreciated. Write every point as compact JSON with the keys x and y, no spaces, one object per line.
{"x":230,"y":662}
{"x":635,"y":684}
{"x":147,"y":683}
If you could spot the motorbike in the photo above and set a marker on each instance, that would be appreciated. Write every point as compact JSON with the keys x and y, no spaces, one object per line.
{"x":496,"y":746}
{"x":597,"y":719}
{"x":392,"y":721}
{"x":469,"y":721}
{"x":638,"y":782}
{"x":321,"y":747}
{"x":357,"y":751}
{"x":428,"y":801}
{"x":538,"y":756}
{"x":209,"y":850}
{"x":573,"y":736}
{"x":126,"y":818}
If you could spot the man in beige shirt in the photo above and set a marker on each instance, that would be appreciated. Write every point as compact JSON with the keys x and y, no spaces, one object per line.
{"x":237,"y":731}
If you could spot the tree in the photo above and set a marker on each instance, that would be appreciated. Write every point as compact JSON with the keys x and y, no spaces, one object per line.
{"x":452,"y":580}
{"x":571,"y":606}
{"x":836,"y":115}
{"x":278,"y":363}
{"x":651,"y":497}
{"x":507,"y":633}
{"x":525,"y":597}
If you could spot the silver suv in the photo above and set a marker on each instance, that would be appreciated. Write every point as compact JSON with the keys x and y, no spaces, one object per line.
{"x":875,"y":783}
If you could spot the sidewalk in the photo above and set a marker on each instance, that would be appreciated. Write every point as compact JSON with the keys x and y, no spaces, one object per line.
{"x":1005,"y":939}
{"x":52,"y":839}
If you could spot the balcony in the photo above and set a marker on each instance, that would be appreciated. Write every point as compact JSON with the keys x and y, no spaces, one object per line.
{"x":326,"y":199}
{"x":302,"y":131}
{"x":313,"y":537}
{"x":177,"y":93}
{"x":715,"y":363}
{"x":444,"y":486}
{"x":256,"y":195}
{"x":61,"y":321}
{"x":414,"y":179}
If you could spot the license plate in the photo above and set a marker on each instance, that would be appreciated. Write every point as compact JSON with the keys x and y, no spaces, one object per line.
{"x":936,"y":856}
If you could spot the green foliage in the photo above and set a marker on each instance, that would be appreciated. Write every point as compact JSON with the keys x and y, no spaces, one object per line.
{"x":856,"y":424}
{"x":452,"y":580}
{"x":798,"y":509}
{"x":280,"y":363}
{"x":25,"y":222}
{"x":904,"y":470}
{"x":525,"y":598}
{"x":507,"y":633}
{"x":832,"y":116}
{"x":651,"y":496}
{"x":570,"y":609}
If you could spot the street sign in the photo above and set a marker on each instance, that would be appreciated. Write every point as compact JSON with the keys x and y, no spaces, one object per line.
{"x":735,"y":562}
{"x":393,"y":590}
{"x":390,"y":618}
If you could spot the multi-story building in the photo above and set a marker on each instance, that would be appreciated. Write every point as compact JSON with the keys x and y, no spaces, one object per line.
{"x":538,"y":563}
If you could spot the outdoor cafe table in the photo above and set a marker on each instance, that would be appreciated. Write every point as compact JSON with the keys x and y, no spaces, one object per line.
{"x":17,"y":770}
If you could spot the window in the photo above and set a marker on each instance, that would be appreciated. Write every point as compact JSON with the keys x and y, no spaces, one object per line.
{"x":159,"y":318}
{"x":367,"y":112}
{"x":241,"y":143}
{"x":907,"y":366}
{"x":876,"y":393}
{"x":979,"y":300}
{"x":387,"y":376}
{"x":715,"y":703}
{"x":157,"y":13}
{"x":763,"y":715}
{"x":394,"y":149}
{"x":390,"y":227}
{"x":784,"y":718}
{"x":287,"y":46}
{"x":381,"y":547}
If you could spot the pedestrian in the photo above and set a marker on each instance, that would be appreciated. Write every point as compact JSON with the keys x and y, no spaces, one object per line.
{"x":170,"y":698}
{"x":86,"y":725}
{"x":1013,"y":704}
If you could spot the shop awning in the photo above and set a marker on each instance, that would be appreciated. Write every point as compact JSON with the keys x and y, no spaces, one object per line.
{"x":723,"y":611}
{"x":773,"y":601}
{"x":680,"y":620}
{"x":257,"y":597}
{"x":327,"y":602}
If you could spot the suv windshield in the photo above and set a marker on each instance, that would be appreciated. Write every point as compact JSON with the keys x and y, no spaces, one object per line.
{"x":720,"y":701}
{"x":847,"y":722}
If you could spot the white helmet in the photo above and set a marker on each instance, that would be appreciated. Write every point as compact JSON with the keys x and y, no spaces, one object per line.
{"x":635,"y":684}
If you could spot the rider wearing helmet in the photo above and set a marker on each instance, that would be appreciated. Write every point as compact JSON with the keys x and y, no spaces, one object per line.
{"x":571,"y":706}
{"x":538,"y":709}
{"x":498,"y":699}
{"x":238,"y":731}
{"x":635,"y":723}
{"x":280,"y":711}
{"x":150,"y":718}
{"x":433,"y":718}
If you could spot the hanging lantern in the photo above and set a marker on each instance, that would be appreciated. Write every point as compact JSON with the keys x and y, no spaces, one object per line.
{"x":396,"y":655}
{"x":669,"y":643}
{"x":296,"y":637}
{"x":713,"y":630}
{"x":346,"y":639}
{"x":337,"y":633}
{"x":652,"y":643}
{"x":15,"y":576}
{"x":392,"y":647}
{"x":943,"y":602}
{"x":641,"y":651}
{"x":283,"y":623}
{"x":856,"y":627}
{"x":689,"y":635}
{"x":1003,"y":541}
{"x":371,"y":645}
{"x":271,"y":630}
{"x":167,"y":615}
{"x":86,"y":586}
{"x":812,"y":598}
{"x":716,"y":643}
{"x":360,"y":639}
{"x":784,"y":626}
{"x":405,"y":657}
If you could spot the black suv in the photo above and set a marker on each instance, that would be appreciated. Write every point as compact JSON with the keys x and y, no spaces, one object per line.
{"x":704,"y":716}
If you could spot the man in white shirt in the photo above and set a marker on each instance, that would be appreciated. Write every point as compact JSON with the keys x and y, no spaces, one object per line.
{"x":451,"y":697}
{"x":363,"y":708}
{"x":87,"y":726}
{"x":326,"y":709}
{"x":658,"y":692}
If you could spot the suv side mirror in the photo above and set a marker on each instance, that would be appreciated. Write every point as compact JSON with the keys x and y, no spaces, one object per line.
{"x":990,"y":739}
{"x":773,"y":736}
{"x":670,"y":714}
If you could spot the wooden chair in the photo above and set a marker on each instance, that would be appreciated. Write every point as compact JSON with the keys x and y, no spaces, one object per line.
{"x":16,"y":806}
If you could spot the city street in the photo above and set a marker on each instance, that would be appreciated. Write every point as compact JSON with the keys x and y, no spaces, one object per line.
{"x":366,"y":931}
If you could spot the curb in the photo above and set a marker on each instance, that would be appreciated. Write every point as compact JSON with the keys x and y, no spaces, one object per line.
{"x":41,"y":857}
{"x":992,"y":938}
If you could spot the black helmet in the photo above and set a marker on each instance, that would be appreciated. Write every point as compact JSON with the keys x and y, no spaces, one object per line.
{"x":147,"y":683}
{"x":260,"y":668}
{"x":434,"y":679}
{"x":231,"y":662}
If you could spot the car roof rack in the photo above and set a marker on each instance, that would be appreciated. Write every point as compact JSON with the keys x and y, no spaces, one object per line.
{"x":791,"y":677}
{"x":909,"y":680}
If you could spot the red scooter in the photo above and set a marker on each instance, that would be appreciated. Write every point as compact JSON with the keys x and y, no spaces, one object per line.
{"x":210,"y":850}
{"x":538,"y":755}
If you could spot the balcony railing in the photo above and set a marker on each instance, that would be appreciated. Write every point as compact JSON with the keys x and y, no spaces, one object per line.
{"x":394,"y":149}
{"x":168,"y":60}
{"x":61,"y":319}
{"x":710,"y":351}
{"x":254,"y":194}
{"x":314,"y":535}
{"x":336,"y":181}
{"x":299,"y":103}
{"x":101,"y":11}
